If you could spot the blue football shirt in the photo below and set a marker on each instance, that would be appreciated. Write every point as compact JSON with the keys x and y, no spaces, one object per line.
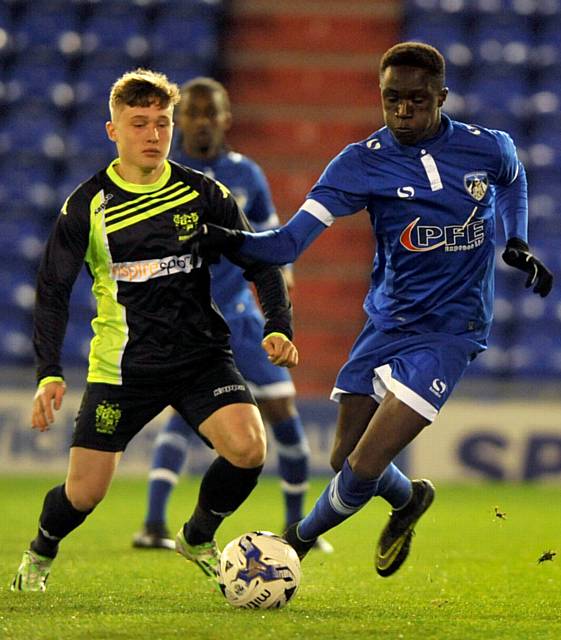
{"x":247,"y":182}
{"x":432,"y":209}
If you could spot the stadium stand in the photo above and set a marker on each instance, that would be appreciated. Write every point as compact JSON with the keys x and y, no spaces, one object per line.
{"x":511,"y":82}
{"x":58,"y":59}
{"x":291,"y":68}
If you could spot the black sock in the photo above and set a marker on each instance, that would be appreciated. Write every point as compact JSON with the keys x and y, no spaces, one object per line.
{"x":223,"y":489}
{"x":58,"y":518}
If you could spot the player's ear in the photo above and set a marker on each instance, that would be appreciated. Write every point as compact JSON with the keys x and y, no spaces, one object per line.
{"x":111,"y":131}
{"x":442,"y":96}
{"x":227,"y":120}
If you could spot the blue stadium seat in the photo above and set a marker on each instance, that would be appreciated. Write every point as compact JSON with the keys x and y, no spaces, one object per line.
{"x":34,"y":78}
{"x":42,"y":24}
{"x":87,"y":138}
{"x":112,"y":25}
{"x":193,"y":37}
{"x":96,"y":76}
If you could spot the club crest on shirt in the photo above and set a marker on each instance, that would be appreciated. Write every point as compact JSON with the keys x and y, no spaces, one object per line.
{"x":476,"y":184}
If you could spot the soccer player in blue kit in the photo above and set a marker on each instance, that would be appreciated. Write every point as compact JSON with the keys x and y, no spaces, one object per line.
{"x":204,"y":117}
{"x":431,"y":187}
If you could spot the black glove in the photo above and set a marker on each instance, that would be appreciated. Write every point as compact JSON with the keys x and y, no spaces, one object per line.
{"x":210,"y":241}
{"x":517,"y":254}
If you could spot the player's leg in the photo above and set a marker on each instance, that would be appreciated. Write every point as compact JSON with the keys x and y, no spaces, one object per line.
{"x":237,"y":434}
{"x":292,"y":449}
{"x":108,"y":419}
{"x":221,"y":408}
{"x":293,"y":456}
{"x":170,"y":452}
{"x":274,"y":390}
{"x":65,"y":508}
{"x":359,"y":412}
{"x":365,"y":472}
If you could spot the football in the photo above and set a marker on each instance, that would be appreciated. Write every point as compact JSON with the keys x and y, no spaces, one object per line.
{"x":259,"y":570}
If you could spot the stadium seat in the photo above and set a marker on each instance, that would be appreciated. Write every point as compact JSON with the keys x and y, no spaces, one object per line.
{"x":42,"y":23}
{"x":87,"y":136}
{"x":34,"y":78}
{"x":112,"y":25}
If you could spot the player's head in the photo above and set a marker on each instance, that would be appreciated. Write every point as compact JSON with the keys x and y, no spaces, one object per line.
{"x":141,"y":105}
{"x":203,"y":117}
{"x":413,"y":91}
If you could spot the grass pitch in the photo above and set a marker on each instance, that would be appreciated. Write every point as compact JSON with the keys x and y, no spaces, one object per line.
{"x":470,"y":575}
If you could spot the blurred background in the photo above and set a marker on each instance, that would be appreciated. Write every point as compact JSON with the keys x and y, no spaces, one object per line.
{"x":302,"y":76}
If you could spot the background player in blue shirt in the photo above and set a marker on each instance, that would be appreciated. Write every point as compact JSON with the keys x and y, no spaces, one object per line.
{"x":203,"y":118}
{"x":431,"y":187}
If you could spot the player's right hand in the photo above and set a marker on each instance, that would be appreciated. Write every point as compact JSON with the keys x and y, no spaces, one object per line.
{"x":47,"y":397}
{"x":280,"y":350}
{"x":210,"y":240}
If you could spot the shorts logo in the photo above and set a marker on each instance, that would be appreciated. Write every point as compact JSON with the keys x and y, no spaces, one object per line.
{"x":228,"y":389}
{"x":438,"y":387}
{"x":405,"y":192}
{"x":476,"y":184}
{"x":107,"y":416}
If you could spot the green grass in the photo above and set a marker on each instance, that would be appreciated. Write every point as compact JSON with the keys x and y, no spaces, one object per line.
{"x":470,"y":575}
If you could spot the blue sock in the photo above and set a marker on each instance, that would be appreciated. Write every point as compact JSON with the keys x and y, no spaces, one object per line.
{"x":343,"y":496}
{"x":170,"y":451}
{"x":293,"y":453}
{"x":394,"y":486}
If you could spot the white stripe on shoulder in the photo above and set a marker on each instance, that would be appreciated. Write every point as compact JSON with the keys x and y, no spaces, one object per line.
{"x":516,"y":174}
{"x":317,"y":210}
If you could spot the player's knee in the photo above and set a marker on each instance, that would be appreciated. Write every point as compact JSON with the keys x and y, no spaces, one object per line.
{"x":85,"y":498}
{"x":248,"y":451}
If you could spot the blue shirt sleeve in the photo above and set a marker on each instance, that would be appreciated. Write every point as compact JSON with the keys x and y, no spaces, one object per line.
{"x":512,"y":189}
{"x":283,"y":245}
{"x":509,"y":167}
{"x":343,"y":188}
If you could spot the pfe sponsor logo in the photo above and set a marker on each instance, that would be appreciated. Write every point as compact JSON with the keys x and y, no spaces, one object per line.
{"x":455,"y":237}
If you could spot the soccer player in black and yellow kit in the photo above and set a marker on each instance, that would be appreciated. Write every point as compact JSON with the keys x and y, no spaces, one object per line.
{"x":159,"y":340}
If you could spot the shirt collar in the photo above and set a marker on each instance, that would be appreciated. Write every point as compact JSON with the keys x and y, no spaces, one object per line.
{"x":432,"y":145}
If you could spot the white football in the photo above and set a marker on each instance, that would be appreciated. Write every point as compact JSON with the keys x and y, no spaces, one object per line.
{"x":259,"y":570}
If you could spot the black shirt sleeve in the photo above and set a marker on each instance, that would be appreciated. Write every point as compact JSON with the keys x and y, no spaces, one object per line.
{"x":268,"y":279}
{"x":62,"y":260}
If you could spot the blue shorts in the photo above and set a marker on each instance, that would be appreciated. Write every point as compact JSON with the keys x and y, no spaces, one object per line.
{"x":266,"y":380}
{"x":419,"y":369}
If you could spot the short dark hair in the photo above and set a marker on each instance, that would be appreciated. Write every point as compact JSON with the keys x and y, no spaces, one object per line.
{"x":415,"y":54}
{"x":203,"y":83}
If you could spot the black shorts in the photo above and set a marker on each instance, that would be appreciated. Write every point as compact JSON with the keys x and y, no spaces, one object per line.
{"x":111,"y":415}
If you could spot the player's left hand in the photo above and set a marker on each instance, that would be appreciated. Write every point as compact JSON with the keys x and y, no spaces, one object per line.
{"x":281,"y":350}
{"x":517,"y":254}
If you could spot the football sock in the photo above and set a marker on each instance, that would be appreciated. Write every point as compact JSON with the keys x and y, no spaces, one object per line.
{"x":58,"y":518}
{"x":170,"y":452}
{"x":343,"y":496}
{"x":293,"y":462}
{"x":394,"y":486}
{"x":223,"y":489}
